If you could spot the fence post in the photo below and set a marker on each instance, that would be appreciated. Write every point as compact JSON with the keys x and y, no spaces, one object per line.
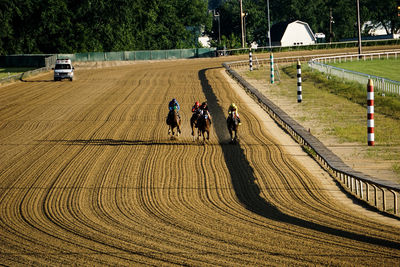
{"x":370,"y":113}
{"x":299,"y":96}
{"x":250,"y":60}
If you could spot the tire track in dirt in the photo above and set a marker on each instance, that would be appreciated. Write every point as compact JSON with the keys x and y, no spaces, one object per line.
{"x":100,"y":181}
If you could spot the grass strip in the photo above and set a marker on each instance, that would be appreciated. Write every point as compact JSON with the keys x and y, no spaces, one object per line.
{"x":339,"y":109}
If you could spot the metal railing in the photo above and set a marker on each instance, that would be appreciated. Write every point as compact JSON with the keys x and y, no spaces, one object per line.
{"x":383,"y":195}
{"x":383,"y":84}
{"x":316,"y":46}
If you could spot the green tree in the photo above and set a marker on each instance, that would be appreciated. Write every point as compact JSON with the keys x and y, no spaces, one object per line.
{"x":385,"y":13}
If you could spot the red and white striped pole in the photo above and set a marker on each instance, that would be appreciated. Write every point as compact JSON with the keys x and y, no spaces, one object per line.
{"x":370,"y":113}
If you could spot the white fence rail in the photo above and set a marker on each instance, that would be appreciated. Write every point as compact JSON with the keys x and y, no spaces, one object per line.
{"x":381,"y":84}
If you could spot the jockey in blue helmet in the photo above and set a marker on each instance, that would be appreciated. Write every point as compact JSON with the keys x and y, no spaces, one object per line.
{"x":173,"y":104}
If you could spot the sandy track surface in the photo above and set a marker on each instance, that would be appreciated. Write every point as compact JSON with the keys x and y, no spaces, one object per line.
{"x":88,"y":176}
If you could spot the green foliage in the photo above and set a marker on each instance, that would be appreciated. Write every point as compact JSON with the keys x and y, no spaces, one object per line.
{"x":71,"y":26}
{"x":315,"y":13}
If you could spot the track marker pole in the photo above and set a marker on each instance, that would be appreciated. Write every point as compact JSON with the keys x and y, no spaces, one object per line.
{"x":299,"y":96}
{"x":370,"y":113}
{"x":250,"y":60}
{"x":272,"y":67}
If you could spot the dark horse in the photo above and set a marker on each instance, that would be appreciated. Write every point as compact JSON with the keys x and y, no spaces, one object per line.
{"x":203,"y":126}
{"x":174,"y":122}
{"x":233,"y":124}
{"x":193,"y":122}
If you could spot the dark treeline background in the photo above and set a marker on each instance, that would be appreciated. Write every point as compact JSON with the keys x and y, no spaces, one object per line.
{"x":315,"y":12}
{"x":70,"y":26}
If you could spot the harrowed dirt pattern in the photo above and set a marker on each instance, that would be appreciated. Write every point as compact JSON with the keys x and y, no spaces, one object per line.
{"x":89,"y":176}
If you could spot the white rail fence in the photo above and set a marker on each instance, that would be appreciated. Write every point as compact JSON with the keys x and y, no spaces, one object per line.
{"x":381,"y":84}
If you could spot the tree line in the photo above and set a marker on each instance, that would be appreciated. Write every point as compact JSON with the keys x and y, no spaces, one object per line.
{"x":71,"y":26}
{"x":321,"y":15}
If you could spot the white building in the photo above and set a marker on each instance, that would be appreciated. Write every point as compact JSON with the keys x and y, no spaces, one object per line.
{"x":205,"y":41}
{"x":291,"y":34}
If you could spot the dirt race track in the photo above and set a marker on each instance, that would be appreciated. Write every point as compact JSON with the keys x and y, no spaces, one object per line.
{"x":89,"y":176}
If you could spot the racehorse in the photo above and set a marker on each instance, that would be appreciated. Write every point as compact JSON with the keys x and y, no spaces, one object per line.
{"x":193,"y":122}
{"x":203,"y":126}
{"x":174,"y":122}
{"x":233,"y":124}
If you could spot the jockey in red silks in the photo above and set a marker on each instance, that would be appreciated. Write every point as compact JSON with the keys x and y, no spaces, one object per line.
{"x":196,"y":107}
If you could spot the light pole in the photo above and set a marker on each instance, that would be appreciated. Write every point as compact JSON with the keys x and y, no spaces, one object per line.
{"x":331,"y":21}
{"x":216,"y":14}
{"x":244,"y":27}
{"x":271,"y":58}
{"x":359,"y":27}
{"x":241,"y":21}
{"x":269,"y":27}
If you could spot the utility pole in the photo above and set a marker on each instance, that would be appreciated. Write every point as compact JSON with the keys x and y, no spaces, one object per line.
{"x":241,"y":22}
{"x":269,"y":28}
{"x":359,"y":27}
{"x":217,"y":15}
{"x":271,"y":57}
{"x":330,"y":25}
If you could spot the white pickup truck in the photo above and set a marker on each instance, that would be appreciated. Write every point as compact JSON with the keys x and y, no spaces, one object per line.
{"x":63,"y":70}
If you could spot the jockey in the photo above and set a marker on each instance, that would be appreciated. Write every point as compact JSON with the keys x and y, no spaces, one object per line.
{"x":204,"y":111}
{"x":233,"y":108}
{"x":196,"y":107}
{"x":173,"y":104}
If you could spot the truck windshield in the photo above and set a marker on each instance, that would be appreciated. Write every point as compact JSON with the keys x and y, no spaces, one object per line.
{"x":63,"y":66}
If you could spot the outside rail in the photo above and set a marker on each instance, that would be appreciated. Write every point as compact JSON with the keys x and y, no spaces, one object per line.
{"x":383,"y":195}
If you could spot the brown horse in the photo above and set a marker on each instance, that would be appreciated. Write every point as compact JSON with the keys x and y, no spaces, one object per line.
{"x":173,"y":122}
{"x":193,"y":122}
{"x":203,"y":126}
{"x":233,"y":124}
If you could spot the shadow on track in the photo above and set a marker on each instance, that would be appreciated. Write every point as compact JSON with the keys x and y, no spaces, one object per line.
{"x":248,"y":192}
{"x":114,"y":142}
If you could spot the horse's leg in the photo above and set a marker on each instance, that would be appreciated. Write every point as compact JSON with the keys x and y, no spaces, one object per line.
{"x":192,"y":127}
{"x":208,"y":135}
{"x":169,"y":129}
{"x":230,"y":133}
